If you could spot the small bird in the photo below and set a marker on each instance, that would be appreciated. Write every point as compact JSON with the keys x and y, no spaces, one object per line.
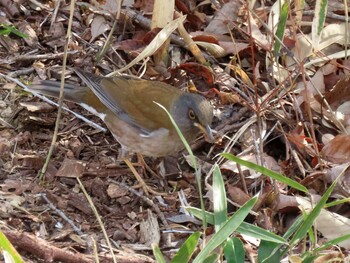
{"x":128,"y":107}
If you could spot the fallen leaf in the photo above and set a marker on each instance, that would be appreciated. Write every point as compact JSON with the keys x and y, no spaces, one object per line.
{"x":71,"y":168}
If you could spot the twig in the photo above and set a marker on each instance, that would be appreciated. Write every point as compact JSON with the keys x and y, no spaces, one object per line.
{"x":36,"y":57}
{"x":26,"y":71}
{"x":146,"y":200}
{"x":55,"y":12}
{"x":5,"y":123}
{"x":234,"y":118}
{"x":231,"y":127}
{"x":37,"y":3}
{"x":43,"y":249}
{"x":146,"y":23}
{"x":328,"y":15}
{"x":61,"y":214}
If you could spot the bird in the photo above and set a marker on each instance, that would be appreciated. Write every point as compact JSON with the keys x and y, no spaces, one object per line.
{"x":129,"y":107}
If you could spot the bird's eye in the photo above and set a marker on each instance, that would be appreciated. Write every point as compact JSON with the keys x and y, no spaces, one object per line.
{"x":191,"y":114}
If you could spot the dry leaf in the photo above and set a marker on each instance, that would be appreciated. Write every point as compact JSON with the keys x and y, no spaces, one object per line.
{"x":337,"y":150}
{"x":98,"y":27}
{"x":149,"y":230}
{"x":71,"y":168}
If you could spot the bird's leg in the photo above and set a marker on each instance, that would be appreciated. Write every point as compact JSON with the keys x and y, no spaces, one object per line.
{"x":125,"y":156}
{"x":144,"y":186}
{"x":142,"y":162}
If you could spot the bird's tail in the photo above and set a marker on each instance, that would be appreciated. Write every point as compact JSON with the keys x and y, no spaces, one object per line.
{"x":52,"y":88}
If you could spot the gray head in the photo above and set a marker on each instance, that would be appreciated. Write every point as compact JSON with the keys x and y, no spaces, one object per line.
{"x":193,"y":114}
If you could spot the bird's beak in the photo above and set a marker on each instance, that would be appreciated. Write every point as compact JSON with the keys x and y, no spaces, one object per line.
{"x":206,"y":130}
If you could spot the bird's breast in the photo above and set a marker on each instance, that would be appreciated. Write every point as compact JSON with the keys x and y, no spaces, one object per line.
{"x":157,"y":143}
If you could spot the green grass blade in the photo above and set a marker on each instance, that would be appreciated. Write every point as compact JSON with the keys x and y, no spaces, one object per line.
{"x":332,"y":242}
{"x":318,"y":21}
{"x":213,"y":258}
{"x":158,"y":254}
{"x":185,"y":252}
{"x":8,"y":250}
{"x":268,"y":252}
{"x":226,"y":230}
{"x":281,"y":27}
{"x":244,"y":228}
{"x":219,"y":199}
{"x":259,"y":233}
{"x":234,"y":250}
{"x":311,"y":217}
{"x":266,"y":172}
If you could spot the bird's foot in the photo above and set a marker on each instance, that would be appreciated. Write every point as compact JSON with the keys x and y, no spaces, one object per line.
{"x":147,"y":189}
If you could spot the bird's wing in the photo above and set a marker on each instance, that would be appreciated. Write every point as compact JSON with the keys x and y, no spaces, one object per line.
{"x":132,"y":99}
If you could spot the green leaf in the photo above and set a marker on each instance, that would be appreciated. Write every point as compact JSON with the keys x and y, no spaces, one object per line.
{"x":259,"y":233}
{"x":8,"y":250}
{"x":158,"y":254}
{"x":310,"y":219}
{"x":268,"y":252}
{"x":332,"y":242}
{"x":244,"y":228}
{"x":234,"y":250}
{"x":310,"y":258}
{"x":318,"y":21}
{"x":5,"y":32}
{"x":281,"y":27}
{"x":226,"y":230}
{"x":185,"y":252}
{"x":266,"y":172}
{"x":219,"y":199}
{"x":337,"y":202}
{"x":296,"y":224}
{"x":8,"y":29}
{"x":211,"y":259}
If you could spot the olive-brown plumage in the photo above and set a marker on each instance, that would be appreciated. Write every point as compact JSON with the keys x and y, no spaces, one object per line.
{"x":127,"y":106}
